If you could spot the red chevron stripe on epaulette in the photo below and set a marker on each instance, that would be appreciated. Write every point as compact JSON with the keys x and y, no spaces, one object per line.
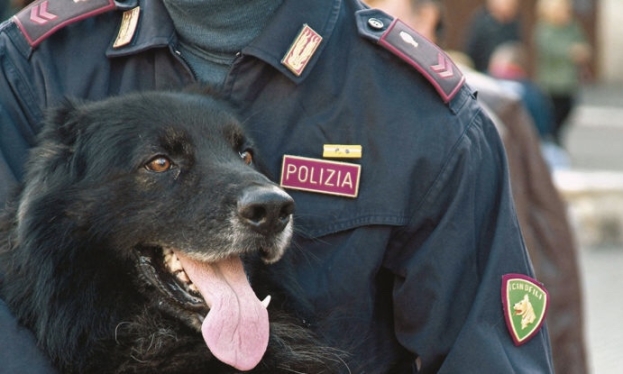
{"x":44,"y":17}
{"x":425,"y":56}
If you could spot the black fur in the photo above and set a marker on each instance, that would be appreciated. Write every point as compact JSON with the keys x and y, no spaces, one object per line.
{"x":78,"y":244}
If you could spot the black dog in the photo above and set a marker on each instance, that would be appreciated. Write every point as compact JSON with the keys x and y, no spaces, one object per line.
{"x":127,"y":247}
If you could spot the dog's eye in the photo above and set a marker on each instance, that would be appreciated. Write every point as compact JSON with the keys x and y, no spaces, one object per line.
{"x":159,"y":164}
{"x":247,"y":157}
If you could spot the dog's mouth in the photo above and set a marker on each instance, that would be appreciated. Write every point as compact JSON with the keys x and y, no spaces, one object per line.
{"x":162,"y":269}
{"x":214,"y":297}
{"x":208,"y":288}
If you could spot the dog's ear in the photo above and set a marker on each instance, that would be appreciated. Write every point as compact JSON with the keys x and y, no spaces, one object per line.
{"x":49,"y":161}
{"x":61,"y":123}
{"x":57,"y":140}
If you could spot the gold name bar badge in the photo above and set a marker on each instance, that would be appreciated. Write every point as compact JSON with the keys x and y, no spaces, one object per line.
{"x":341,"y":151}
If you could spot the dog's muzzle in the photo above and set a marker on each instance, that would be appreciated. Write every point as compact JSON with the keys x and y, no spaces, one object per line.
{"x":267,"y":210}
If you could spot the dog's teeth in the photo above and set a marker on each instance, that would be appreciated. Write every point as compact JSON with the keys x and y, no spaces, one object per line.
{"x":167,"y":261}
{"x":172,"y":263}
{"x":175,"y":267}
{"x":181,"y":275}
{"x":266,"y":301}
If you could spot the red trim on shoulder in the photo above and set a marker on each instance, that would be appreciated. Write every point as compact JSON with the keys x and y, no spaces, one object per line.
{"x":425,"y":56}
{"x":42,"y":18}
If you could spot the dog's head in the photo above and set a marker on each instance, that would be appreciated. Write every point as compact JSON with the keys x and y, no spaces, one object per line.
{"x":522,"y":307}
{"x":167,"y":180}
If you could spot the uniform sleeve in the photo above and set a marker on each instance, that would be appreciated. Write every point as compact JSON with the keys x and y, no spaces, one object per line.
{"x":18,"y":111}
{"x":18,"y":349}
{"x":463,"y":238}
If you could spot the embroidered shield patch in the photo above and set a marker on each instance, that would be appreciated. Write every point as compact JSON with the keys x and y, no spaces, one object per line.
{"x":525,"y":302}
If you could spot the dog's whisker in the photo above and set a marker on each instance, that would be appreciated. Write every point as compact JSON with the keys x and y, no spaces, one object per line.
{"x":117,"y":330}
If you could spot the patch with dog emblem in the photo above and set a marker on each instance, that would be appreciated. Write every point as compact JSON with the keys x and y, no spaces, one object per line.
{"x":42,"y":18}
{"x":525,"y":302}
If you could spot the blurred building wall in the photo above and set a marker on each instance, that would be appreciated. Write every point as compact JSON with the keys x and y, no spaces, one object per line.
{"x":610,"y":37}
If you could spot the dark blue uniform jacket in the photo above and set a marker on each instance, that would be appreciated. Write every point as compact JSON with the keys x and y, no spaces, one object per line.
{"x":415,"y":262}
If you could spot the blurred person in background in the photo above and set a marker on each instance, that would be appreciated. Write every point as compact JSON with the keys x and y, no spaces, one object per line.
{"x":5,"y":9}
{"x":493,"y":24}
{"x":509,"y":64}
{"x":10,"y":7}
{"x":562,"y":53}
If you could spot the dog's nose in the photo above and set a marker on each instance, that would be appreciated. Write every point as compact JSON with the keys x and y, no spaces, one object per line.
{"x":266,"y":209}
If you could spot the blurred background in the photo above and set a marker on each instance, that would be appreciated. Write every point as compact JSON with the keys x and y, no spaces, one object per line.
{"x":550,"y":73}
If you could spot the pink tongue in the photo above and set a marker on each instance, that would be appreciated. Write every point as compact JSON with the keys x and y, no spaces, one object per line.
{"x":236,"y":328}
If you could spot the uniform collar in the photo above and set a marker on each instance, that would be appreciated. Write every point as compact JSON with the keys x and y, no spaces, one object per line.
{"x":155,"y":29}
{"x":277,"y":38}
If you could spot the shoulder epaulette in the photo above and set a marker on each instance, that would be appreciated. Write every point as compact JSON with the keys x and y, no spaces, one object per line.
{"x":416,"y":50}
{"x":42,"y":18}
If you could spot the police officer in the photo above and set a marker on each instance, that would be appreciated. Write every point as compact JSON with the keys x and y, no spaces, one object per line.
{"x":414,"y":238}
